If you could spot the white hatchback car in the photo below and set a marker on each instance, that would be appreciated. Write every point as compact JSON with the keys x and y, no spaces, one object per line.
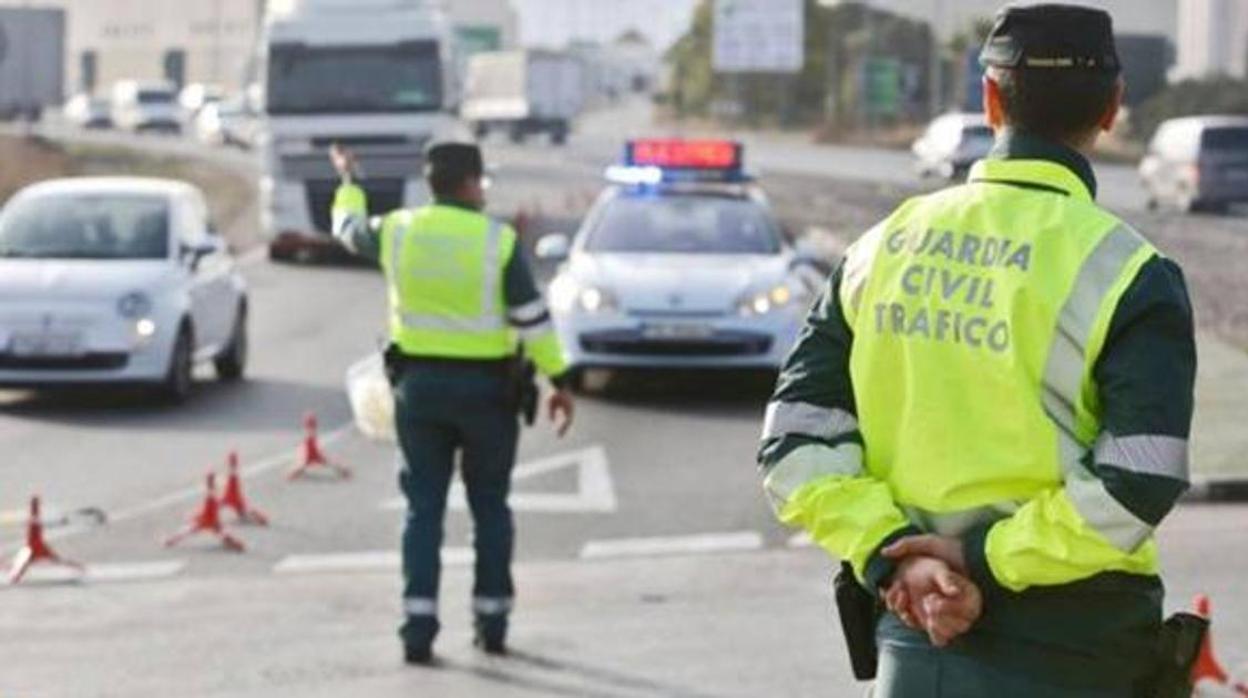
{"x":116,"y":280}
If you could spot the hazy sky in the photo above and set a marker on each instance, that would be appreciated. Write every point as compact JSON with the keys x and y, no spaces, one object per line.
{"x":554,"y":22}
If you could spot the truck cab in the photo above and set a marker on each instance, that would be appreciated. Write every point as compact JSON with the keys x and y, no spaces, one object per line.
{"x":373,"y":75}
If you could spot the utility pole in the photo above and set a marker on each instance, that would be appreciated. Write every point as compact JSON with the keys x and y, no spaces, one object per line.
{"x":936,"y":74}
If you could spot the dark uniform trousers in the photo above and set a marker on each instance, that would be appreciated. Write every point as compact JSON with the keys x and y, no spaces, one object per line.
{"x":443,"y":409}
{"x":911,"y":667}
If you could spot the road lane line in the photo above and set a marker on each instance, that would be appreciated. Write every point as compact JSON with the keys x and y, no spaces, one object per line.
{"x":187,"y":494}
{"x":363,"y":561}
{"x":801,"y":540}
{"x":134,"y":571}
{"x":702,"y":544}
{"x":595,"y":490}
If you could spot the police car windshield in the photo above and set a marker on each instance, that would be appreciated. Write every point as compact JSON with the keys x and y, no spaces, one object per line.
{"x":315,"y":80}
{"x":683,"y":224}
{"x":86,"y":226}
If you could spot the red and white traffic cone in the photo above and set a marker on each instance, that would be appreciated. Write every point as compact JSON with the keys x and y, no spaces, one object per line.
{"x":36,"y":550}
{"x":207,"y":520}
{"x":311,"y":456}
{"x":1208,"y":669}
{"x":234,"y":499}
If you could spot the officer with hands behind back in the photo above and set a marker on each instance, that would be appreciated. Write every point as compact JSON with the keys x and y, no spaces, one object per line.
{"x":987,"y":413}
{"x":462,"y":301}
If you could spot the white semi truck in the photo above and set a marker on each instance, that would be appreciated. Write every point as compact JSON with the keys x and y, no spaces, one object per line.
{"x":376,"y":76}
{"x":523,"y":92}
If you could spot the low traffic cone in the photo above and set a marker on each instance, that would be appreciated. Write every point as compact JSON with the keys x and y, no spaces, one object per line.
{"x":207,"y":520}
{"x":1207,"y":667}
{"x":311,"y":456}
{"x":233,"y":497}
{"x":36,"y":549}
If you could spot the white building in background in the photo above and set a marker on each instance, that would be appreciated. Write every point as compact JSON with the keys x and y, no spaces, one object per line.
{"x":1213,"y":39}
{"x":484,"y":25}
{"x":179,"y":40}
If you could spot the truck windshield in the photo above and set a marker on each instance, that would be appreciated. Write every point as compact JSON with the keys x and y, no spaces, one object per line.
{"x":315,"y":80}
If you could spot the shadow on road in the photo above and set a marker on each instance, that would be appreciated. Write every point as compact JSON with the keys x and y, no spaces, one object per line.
{"x":702,"y":392}
{"x":609,"y":683}
{"x":259,"y":404}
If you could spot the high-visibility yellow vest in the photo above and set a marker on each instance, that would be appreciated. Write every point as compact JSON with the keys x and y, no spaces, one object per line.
{"x":978,"y":315}
{"x":444,"y":267}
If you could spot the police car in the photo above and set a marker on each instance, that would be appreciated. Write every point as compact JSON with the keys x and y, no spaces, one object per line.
{"x":679,"y":263}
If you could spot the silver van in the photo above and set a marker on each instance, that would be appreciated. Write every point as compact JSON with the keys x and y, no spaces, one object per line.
{"x":1198,"y":163}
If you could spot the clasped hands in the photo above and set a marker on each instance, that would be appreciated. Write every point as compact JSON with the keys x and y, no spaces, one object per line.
{"x":930,"y":590}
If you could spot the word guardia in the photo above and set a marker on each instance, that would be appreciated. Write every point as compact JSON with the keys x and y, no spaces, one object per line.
{"x":952,"y":278}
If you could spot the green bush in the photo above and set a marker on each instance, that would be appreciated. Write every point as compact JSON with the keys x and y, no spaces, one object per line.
{"x":1190,"y":98}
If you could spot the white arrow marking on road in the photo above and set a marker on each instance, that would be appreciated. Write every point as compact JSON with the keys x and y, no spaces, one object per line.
{"x":365,"y":561}
{"x":672,"y":545}
{"x":595,"y":489}
{"x":801,"y":540}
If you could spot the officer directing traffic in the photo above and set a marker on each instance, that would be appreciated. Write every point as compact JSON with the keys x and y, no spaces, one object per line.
{"x":462,"y":301}
{"x":987,"y":413}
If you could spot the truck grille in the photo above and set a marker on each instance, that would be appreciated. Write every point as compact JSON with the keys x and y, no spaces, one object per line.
{"x":384,"y":195}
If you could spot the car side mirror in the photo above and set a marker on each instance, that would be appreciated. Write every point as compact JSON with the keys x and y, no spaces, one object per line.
{"x":193,"y":254}
{"x":554,"y":248}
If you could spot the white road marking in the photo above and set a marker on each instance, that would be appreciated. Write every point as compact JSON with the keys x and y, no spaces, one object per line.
{"x":672,"y":545}
{"x":134,"y":571}
{"x":188,"y":494}
{"x":801,"y":540}
{"x":364,"y":561}
{"x":595,"y":491}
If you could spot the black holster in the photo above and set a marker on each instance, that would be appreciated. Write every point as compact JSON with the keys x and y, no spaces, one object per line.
{"x":392,"y":359}
{"x":523,"y":394}
{"x":860,"y":613}
{"x":1178,"y":648}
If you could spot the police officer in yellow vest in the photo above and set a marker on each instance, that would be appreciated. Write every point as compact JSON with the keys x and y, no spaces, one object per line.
{"x":988,"y":411}
{"x":462,"y":300}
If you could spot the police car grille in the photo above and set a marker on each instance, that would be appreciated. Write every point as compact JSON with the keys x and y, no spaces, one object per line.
{"x":751,"y":346}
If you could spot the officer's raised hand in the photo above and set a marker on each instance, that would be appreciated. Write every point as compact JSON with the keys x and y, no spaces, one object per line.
{"x":343,"y":161}
{"x":561,"y":409}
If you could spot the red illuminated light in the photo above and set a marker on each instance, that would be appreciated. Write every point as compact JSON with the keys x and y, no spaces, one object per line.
{"x":671,"y":153}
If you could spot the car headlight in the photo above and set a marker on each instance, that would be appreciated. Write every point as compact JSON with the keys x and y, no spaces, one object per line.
{"x":134,"y":305}
{"x":763,"y":302}
{"x":567,"y":295}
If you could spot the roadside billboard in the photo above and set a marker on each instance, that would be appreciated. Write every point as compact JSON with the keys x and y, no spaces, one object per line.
{"x":759,"y":36}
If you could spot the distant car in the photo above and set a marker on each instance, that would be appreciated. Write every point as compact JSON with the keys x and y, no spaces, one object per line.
{"x":116,"y":280}
{"x":680,"y":263}
{"x":1198,"y":163}
{"x":86,"y":111}
{"x":196,"y":96}
{"x":951,"y":144}
{"x":226,"y":123}
{"x":146,"y":106}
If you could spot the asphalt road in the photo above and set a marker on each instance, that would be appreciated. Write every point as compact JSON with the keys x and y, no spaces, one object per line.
{"x":659,"y":464}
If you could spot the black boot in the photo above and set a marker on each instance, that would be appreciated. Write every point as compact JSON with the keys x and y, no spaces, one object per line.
{"x":491,"y":634}
{"x":418,"y":655}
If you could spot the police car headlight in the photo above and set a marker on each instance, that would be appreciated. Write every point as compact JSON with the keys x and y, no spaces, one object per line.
{"x":767,"y":301}
{"x":566,"y":295}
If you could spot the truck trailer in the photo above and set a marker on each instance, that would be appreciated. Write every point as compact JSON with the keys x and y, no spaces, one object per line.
{"x":32,"y":61}
{"x":521,"y":93}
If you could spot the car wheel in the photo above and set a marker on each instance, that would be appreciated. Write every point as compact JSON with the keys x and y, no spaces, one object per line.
{"x":179,"y":378}
{"x":231,"y":364}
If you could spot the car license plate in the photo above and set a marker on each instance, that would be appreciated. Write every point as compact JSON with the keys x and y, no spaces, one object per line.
{"x":677,"y":331}
{"x":48,"y":344}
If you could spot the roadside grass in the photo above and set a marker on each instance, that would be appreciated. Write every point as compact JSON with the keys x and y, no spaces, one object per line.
{"x":231,"y":197}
